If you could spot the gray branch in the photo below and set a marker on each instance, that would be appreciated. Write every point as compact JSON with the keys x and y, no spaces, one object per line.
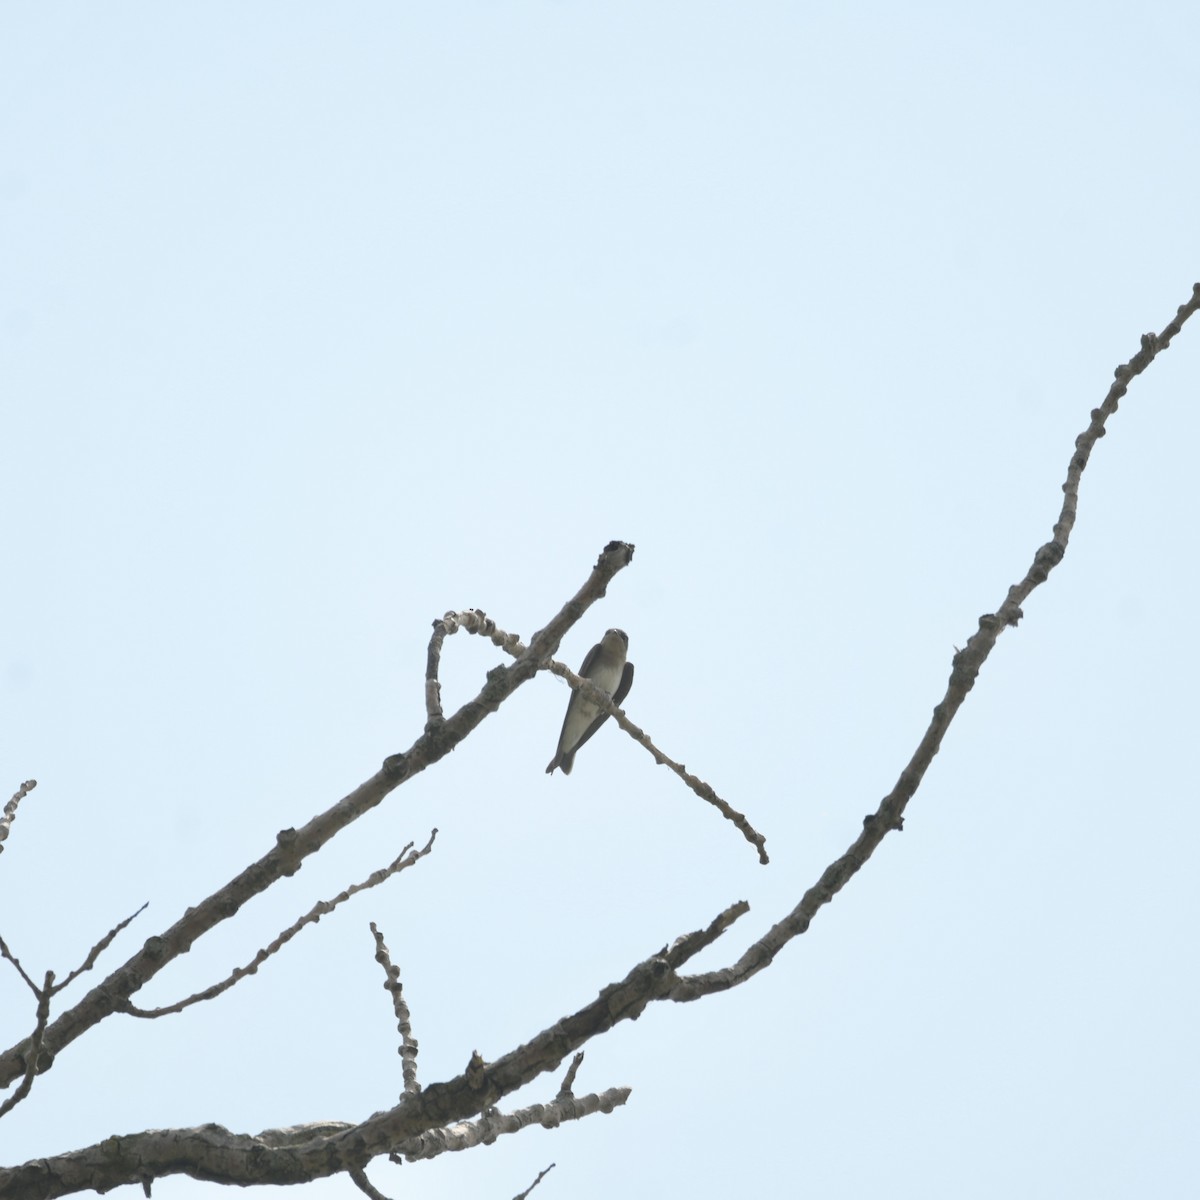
{"x":293,"y":846}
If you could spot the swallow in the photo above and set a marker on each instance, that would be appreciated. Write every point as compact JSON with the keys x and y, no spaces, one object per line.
{"x":608,"y":669}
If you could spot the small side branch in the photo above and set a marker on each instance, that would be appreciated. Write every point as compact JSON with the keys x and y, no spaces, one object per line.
{"x":473,"y":620}
{"x":99,"y":948}
{"x":568,"y":1083}
{"x":406,"y":858}
{"x":5,"y":952}
{"x":614,"y":557}
{"x":541,"y":1175}
{"x":483,"y":1084}
{"x":36,"y":1043}
{"x":408,"y":1043}
{"x":364,"y":1185}
{"x":494,"y":1124}
{"x":10,"y":809}
{"x":603,"y":701}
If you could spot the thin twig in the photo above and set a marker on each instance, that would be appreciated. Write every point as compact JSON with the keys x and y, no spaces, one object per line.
{"x":406,"y":858}
{"x":36,"y":1041}
{"x":568,"y":1083}
{"x":602,"y":700}
{"x":364,"y":1184}
{"x":5,"y":952}
{"x":473,"y":620}
{"x":408,"y":1043}
{"x":98,"y":949}
{"x":10,"y":809}
{"x":541,"y":1175}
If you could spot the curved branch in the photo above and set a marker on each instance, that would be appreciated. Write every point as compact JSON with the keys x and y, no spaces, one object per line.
{"x":964,"y":671}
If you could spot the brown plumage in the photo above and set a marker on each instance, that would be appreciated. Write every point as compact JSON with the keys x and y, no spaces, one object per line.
{"x":607,"y":667}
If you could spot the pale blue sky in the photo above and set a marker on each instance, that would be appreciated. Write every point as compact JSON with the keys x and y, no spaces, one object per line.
{"x":319,"y":320}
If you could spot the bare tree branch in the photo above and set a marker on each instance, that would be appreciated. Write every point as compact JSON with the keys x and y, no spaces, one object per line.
{"x":408,"y":1043}
{"x":39,"y":1031}
{"x":541,"y":1175}
{"x":364,"y":1185}
{"x":603,"y":700}
{"x":493,"y":1123}
{"x":964,"y":671}
{"x":406,"y":858}
{"x":476,"y":621}
{"x":5,"y":952}
{"x":568,"y":1083}
{"x":99,"y":948}
{"x":10,"y":809}
{"x":462,"y":1111}
{"x":484,"y":1084}
{"x":293,"y":846}
{"x":473,"y":620}
{"x":301,"y":1154}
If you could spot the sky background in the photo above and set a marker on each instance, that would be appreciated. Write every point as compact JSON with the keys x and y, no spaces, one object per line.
{"x":319,"y":320}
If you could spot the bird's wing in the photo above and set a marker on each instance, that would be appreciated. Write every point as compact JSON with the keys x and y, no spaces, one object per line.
{"x":619,"y":695}
{"x":625,"y":684}
{"x":556,"y":761}
{"x":589,"y":658}
{"x":562,"y":735}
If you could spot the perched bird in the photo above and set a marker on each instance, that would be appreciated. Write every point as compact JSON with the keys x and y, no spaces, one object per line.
{"x":606,"y":667}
